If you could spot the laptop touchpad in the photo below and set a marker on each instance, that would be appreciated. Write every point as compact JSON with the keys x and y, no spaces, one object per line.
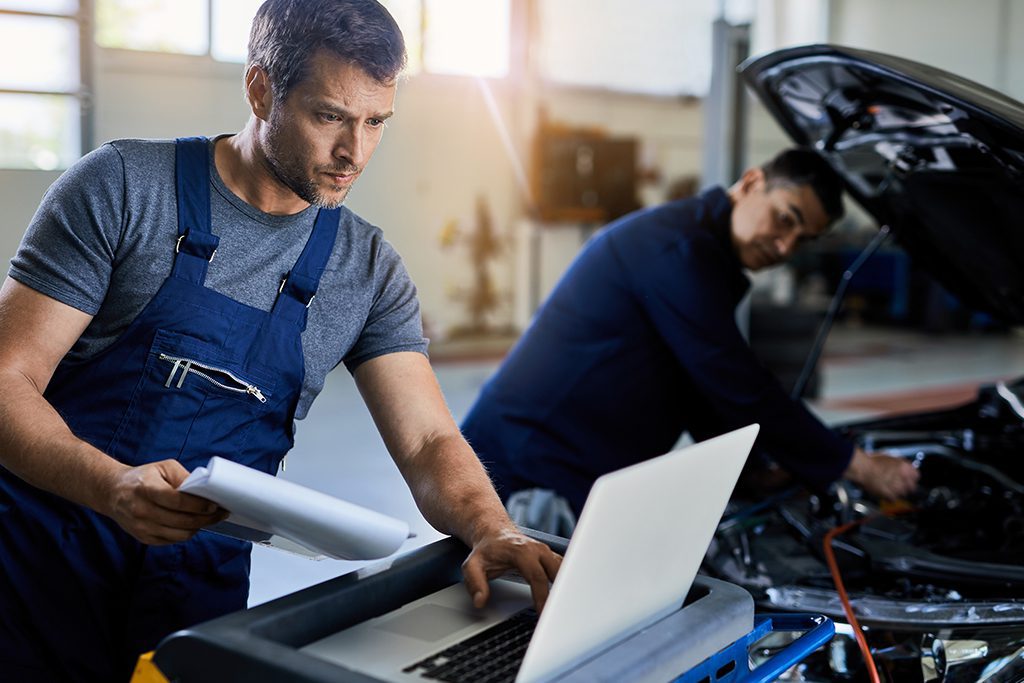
{"x":429,"y":622}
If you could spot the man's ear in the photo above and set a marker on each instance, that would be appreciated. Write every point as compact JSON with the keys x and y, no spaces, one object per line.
{"x":258,"y":92}
{"x":752,"y":179}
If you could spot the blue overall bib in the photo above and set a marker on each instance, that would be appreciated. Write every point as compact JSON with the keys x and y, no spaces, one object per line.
{"x":196,"y":374}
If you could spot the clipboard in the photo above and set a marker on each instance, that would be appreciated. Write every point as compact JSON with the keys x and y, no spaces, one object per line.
{"x":288,"y":516}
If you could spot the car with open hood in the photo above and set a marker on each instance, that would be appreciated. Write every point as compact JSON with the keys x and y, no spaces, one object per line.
{"x":939,"y":584}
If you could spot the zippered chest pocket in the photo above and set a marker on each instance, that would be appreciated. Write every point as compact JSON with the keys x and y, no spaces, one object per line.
{"x":182,"y":367}
{"x":180,"y":361}
{"x":193,"y":400}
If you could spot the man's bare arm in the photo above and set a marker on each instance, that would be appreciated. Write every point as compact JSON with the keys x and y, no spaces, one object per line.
{"x":447,"y":480}
{"x":36,"y":444}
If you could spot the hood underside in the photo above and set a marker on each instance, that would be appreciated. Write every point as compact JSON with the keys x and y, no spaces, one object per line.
{"x":936,"y":157}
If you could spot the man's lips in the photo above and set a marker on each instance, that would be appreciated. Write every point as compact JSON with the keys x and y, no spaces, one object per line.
{"x":342,"y":179}
{"x":768,"y":255}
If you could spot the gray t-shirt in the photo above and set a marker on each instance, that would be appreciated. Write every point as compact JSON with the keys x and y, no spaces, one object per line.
{"x":103,"y":242}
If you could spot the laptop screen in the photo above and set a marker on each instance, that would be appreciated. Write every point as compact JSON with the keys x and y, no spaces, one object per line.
{"x":640,"y":540}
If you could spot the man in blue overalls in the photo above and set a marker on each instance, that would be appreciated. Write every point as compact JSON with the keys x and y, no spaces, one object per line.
{"x":172,"y":301}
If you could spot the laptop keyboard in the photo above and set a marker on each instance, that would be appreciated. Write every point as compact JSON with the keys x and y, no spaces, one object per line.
{"x":490,"y":656}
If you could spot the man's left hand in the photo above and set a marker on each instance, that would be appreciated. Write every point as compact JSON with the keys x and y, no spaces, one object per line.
{"x":509,"y":549}
{"x":884,"y":476}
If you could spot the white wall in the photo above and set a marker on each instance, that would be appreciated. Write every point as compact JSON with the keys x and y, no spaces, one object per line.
{"x":20,"y":192}
{"x":441,"y":153}
{"x":965,"y":37}
{"x":1013,"y":27}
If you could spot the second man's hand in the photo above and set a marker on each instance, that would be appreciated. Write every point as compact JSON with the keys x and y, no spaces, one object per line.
{"x":508,"y":549}
{"x":883,"y":476}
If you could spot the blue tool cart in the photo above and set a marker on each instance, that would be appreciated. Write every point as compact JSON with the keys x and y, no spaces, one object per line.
{"x":706,"y":641}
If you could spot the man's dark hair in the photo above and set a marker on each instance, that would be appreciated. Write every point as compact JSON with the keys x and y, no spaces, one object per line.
{"x":287,"y":33}
{"x":799,"y":166}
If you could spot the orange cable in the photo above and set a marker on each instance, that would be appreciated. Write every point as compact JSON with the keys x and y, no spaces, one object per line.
{"x":833,"y":567}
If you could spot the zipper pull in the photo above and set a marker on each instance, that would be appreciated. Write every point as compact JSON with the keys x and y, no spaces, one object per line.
{"x":184,"y":372}
{"x":174,"y":369}
{"x":255,"y":391}
{"x":282,"y":465}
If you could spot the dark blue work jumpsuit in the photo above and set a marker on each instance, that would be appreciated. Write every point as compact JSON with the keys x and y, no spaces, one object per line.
{"x":196,"y":374}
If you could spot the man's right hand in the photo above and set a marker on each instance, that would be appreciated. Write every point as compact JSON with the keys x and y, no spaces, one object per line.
{"x":883,"y":476}
{"x":36,"y":332}
{"x":146,"y":502}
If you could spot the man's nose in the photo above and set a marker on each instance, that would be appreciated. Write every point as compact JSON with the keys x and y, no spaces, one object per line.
{"x":350,"y":146}
{"x":786,"y":244}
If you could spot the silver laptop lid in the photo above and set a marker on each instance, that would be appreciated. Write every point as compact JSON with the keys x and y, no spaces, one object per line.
{"x":635,"y":552}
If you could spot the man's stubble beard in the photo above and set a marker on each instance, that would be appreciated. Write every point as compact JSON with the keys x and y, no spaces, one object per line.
{"x":293,"y":177}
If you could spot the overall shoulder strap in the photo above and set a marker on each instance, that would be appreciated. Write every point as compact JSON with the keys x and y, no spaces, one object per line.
{"x":196,"y":243}
{"x":299,"y":286}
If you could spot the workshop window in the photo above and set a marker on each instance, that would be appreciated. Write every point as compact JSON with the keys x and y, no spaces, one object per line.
{"x":466,"y":37}
{"x":40,"y":98}
{"x":230,"y":21}
{"x":455,"y":37}
{"x":218,"y":28}
{"x":460,"y":37}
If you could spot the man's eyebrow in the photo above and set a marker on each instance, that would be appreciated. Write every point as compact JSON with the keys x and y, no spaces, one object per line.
{"x":335,"y":109}
{"x":797,"y":212}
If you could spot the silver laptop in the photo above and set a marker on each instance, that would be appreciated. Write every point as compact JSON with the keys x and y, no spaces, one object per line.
{"x":640,"y":539}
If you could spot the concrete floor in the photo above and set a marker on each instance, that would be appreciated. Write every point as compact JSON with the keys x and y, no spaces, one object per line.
{"x":864,"y":372}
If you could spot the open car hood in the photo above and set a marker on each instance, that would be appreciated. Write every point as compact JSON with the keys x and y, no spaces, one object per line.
{"x":936,"y":157}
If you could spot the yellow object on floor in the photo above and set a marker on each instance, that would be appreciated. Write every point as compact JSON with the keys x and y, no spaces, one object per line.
{"x":146,"y":671}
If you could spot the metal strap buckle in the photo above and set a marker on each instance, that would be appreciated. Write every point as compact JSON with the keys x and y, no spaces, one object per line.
{"x":281,"y":289}
{"x":177,"y":249}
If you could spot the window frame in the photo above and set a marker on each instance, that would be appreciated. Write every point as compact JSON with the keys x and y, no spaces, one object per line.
{"x":205,"y":56}
{"x":83,"y":18}
{"x":517,"y":13}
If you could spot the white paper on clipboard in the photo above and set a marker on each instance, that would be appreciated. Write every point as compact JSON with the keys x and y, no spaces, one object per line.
{"x":264,"y":507}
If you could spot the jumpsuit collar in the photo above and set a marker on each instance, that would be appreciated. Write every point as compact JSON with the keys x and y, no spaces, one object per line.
{"x":719,"y":217}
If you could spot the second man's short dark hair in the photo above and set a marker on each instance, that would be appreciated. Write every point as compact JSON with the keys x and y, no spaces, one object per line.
{"x":799,"y":166}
